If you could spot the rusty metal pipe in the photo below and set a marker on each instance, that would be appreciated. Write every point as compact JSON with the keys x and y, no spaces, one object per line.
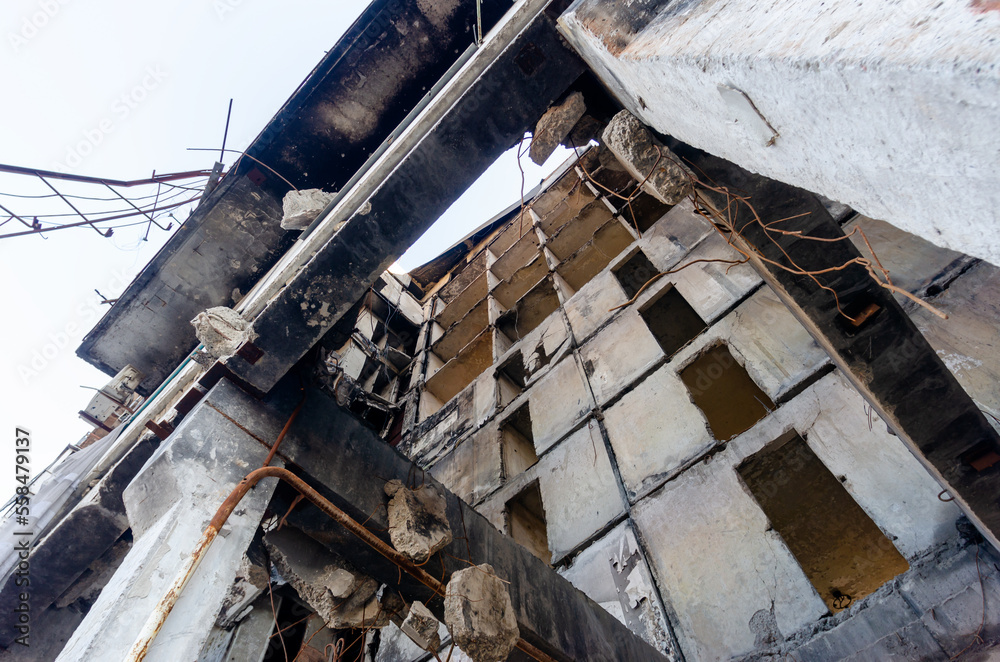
{"x":284,"y":431}
{"x":155,"y":621}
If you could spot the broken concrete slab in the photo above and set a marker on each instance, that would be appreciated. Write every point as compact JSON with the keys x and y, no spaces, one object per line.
{"x":418,"y":523}
{"x":479,"y":614}
{"x":222,"y":330}
{"x":421,"y":626}
{"x":554,"y":126}
{"x":647,"y":159}
{"x":301,"y":208}
{"x":343,"y":597}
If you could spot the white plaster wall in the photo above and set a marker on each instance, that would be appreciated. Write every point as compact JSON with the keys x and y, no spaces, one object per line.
{"x":557,"y":402}
{"x":889,"y":107}
{"x":618,"y":354}
{"x":655,"y":429}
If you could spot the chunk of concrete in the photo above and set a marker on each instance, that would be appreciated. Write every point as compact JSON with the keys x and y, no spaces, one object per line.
{"x":222,"y":330}
{"x":646,"y":158}
{"x":479,"y":614}
{"x":421,"y":626}
{"x":341,"y":596}
{"x":554,"y":126}
{"x":418,"y":523}
{"x":302,"y":207}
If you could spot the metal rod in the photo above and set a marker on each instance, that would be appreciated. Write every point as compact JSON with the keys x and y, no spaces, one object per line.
{"x":222,"y":152}
{"x":18,"y":170}
{"x":7,"y":211}
{"x":80,"y":213}
{"x":163,"y":608}
{"x":242,"y":154}
{"x":140,"y":210}
{"x":97,"y":220}
{"x":284,"y":431}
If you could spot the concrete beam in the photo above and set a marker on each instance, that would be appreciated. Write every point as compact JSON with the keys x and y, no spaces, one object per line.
{"x":332,"y":451}
{"x":892,"y":113}
{"x":532,"y":71}
{"x":886,"y":357}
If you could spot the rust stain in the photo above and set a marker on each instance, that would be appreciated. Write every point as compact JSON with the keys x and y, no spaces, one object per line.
{"x":983,"y":6}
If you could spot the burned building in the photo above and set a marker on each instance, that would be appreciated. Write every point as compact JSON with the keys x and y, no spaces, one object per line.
{"x":674,"y":403}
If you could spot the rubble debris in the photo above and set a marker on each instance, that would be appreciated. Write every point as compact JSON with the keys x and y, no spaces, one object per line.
{"x":587,"y":129}
{"x":646,"y":158}
{"x":341,"y":596}
{"x":249,"y":584}
{"x":418,"y":523}
{"x":421,"y":626}
{"x":302,"y":207}
{"x":554,"y":126}
{"x":479,"y":614}
{"x":222,"y":330}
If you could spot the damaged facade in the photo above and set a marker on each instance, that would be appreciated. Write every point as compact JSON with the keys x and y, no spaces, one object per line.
{"x":661,"y":408}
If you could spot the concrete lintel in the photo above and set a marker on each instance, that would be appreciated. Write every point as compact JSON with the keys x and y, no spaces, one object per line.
{"x":335,"y":453}
{"x":489,"y":117}
{"x":886,"y":357}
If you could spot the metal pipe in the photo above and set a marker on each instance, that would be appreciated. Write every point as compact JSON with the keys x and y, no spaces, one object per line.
{"x":163,"y":608}
{"x":18,"y":170}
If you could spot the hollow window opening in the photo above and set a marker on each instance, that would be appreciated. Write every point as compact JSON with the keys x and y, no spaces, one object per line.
{"x":634,"y":273}
{"x":526,"y":522}
{"x":517,"y":445}
{"x":670,"y":318}
{"x":725,"y":393}
{"x":841,"y":550}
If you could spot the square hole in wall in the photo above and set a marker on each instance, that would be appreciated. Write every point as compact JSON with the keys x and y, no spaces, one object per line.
{"x":517,"y":445}
{"x":526,"y":522}
{"x":725,"y":393}
{"x":634,"y":273}
{"x":672,"y":320}
{"x":841,"y":550}
{"x":511,"y":378}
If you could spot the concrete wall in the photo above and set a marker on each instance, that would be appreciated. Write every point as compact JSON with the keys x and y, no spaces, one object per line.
{"x":644,"y":508}
{"x":888,"y":108}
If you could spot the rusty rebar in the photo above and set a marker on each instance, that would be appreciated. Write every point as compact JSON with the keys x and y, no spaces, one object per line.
{"x":155,"y":621}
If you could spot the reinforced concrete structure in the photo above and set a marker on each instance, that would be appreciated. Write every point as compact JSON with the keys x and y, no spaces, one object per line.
{"x":721,"y":387}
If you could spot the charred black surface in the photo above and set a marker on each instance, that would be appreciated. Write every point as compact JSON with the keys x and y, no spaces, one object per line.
{"x":505,"y":102}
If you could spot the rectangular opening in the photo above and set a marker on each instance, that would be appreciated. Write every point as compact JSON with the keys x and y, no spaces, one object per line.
{"x":530,"y":311}
{"x":636,"y":272}
{"x":670,"y":318}
{"x":725,"y":393}
{"x":512,"y":378}
{"x":526,"y":522}
{"x":841,"y":550}
{"x":643,"y":211}
{"x":517,"y":444}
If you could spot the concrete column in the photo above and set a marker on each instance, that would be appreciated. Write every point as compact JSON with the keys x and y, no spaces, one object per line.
{"x":892,"y":111}
{"x":169,"y":504}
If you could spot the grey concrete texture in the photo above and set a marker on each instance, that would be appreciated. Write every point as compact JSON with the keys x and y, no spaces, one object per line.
{"x":421,"y":626}
{"x":169,"y":503}
{"x":479,"y":614}
{"x":554,"y":126}
{"x":418,"y":521}
{"x":647,"y":159}
{"x":222,"y":331}
{"x":340,"y":595}
{"x":301,"y":207}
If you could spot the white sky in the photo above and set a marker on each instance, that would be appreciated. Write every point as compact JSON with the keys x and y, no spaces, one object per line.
{"x":65,"y":66}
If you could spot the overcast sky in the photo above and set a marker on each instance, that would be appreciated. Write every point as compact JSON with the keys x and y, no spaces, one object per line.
{"x":119,"y":89}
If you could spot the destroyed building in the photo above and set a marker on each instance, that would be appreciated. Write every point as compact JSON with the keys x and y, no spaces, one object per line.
{"x":674,"y":403}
